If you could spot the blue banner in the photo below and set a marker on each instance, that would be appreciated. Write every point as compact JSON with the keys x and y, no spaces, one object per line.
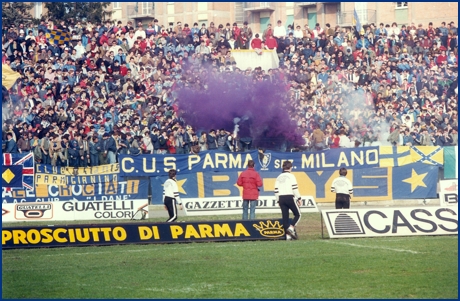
{"x":109,"y":191}
{"x":25,"y":174}
{"x":415,"y":181}
{"x":12,"y":176}
{"x":410,"y":181}
{"x":158,"y":165}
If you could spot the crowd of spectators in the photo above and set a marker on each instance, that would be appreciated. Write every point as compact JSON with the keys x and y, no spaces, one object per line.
{"x":111,"y":89}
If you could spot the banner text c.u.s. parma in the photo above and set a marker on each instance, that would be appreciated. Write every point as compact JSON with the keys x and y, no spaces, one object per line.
{"x":215,"y":161}
{"x":332,"y":159}
{"x":417,"y":180}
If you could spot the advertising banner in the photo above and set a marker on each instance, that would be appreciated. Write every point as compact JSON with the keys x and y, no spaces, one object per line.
{"x":225,"y":205}
{"x":73,"y":210}
{"x":391,"y":222}
{"x":448,"y":193}
{"x":111,"y":234}
{"x":215,"y":161}
{"x":63,"y":176}
{"x":416,"y":180}
{"x":108,"y":191}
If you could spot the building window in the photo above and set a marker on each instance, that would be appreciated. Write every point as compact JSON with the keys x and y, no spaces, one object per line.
{"x":38,"y":9}
{"x":361,"y":11}
{"x":116,"y":5}
{"x":401,"y":4}
{"x":147,"y":8}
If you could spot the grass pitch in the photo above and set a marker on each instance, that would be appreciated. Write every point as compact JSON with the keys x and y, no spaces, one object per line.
{"x":312,"y":267}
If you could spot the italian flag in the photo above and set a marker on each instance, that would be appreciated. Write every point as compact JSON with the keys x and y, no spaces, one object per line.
{"x":450,"y":162}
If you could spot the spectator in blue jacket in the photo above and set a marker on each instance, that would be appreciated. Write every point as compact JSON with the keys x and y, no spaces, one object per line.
{"x":363,"y":42}
{"x":11,"y":147}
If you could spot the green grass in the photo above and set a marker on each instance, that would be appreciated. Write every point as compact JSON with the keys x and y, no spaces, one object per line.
{"x":390,"y":267}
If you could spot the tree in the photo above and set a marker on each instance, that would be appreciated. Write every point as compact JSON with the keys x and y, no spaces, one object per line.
{"x":16,"y":12}
{"x":78,"y":11}
{"x":56,"y":10}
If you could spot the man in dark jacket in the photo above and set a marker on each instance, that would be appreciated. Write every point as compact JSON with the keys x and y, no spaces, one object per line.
{"x":23,"y":143}
{"x":250,"y":180}
{"x":94,"y":150}
{"x":162,"y":139}
{"x":348,"y":58}
{"x":211,"y":140}
{"x":222,"y":139}
{"x":111,"y":148}
{"x":154,"y":137}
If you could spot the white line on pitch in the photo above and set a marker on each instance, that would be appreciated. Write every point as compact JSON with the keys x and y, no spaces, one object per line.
{"x":372,"y":247}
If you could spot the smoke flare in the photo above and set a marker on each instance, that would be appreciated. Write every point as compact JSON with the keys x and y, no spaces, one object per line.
{"x":261,"y":107}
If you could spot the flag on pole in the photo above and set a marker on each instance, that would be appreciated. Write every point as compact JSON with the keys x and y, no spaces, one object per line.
{"x":356,"y":22}
{"x":58,"y":36}
{"x":9,"y":76}
{"x":18,"y":166}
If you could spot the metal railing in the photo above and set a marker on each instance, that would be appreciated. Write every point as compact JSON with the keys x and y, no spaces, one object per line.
{"x":135,"y":10}
{"x":259,"y":5}
{"x":365,"y":17}
{"x":307,"y":3}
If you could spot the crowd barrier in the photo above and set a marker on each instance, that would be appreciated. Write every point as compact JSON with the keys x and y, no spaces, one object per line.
{"x":250,"y":59}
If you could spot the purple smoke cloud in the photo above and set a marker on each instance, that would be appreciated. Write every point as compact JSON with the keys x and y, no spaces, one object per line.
{"x":261,"y":106}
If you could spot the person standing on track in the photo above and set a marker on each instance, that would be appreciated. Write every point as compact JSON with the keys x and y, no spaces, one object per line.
{"x":250,"y":180}
{"x":171,"y":196}
{"x":288,"y":197}
{"x":343,"y":189}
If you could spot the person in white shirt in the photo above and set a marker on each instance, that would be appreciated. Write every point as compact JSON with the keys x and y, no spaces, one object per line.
{"x":317,"y":31}
{"x":171,"y":196}
{"x":298,"y":33}
{"x":80,"y":49}
{"x":344,"y":140}
{"x":114,"y":47}
{"x":140,"y":32}
{"x":343,"y":189}
{"x":131,"y":38}
{"x":288,"y":198}
{"x":279,"y":31}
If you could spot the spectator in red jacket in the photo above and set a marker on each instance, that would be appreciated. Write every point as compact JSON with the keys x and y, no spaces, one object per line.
{"x":250,"y":180}
{"x":270,"y":42}
{"x":256,"y":44}
{"x":104,"y":38}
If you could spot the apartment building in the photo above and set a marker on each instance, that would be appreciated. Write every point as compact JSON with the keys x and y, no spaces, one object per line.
{"x":259,"y":14}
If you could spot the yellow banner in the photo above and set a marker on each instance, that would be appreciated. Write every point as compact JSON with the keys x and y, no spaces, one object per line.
{"x":9,"y":76}
{"x":46,"y":179}
{"x":80,"y":171}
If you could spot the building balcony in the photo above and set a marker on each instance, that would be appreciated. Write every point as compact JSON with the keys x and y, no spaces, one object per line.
{"x":366,"y":17}
{"x":306,"y":4}
{"x":137,"y":11}
{"x":259,"y":6}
